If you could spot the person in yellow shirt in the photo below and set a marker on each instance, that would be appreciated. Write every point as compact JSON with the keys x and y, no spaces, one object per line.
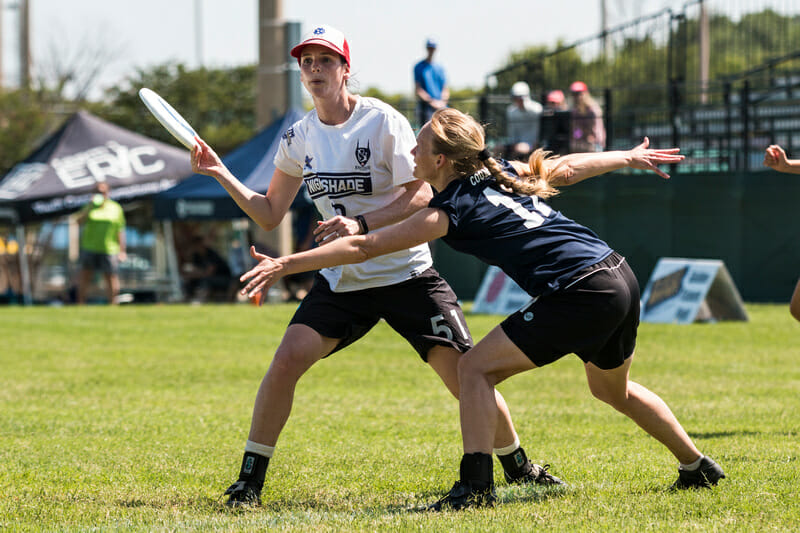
{"x":102,"y":243}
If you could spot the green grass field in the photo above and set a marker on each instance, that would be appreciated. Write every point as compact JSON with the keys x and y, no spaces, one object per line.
{"x":135,"y":418}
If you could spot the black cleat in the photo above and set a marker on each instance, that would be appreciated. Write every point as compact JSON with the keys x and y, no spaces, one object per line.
{"x":536,"y":475}
{"x":243,"y":494}
{"x":707,"y":474}
{"x":462,"y":496}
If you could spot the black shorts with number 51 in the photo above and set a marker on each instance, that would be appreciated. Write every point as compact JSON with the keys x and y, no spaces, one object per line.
{"x":423,"y":309}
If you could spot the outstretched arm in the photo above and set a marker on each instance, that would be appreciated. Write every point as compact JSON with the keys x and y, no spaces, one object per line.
{"x":266,"y":210}
{"x":573,"y":168}
{"x":424,"y":226}
{"x":775,"y":157}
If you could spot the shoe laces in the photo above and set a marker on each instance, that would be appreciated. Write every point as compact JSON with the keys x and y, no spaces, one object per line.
{"x":543,"y":474}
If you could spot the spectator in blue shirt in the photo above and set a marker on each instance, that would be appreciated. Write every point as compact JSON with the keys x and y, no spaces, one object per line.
{"x":430,"y":84}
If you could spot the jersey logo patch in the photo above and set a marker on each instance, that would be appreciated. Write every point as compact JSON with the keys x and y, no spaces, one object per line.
{"x":288,"y":135}
{"x":307,"y":165}
{"x":338,"y":185}
{"x":362,"y":154}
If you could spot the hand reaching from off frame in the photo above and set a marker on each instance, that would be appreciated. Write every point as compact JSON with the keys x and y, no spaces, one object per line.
{"x":644,"y":158}
{"x":261,"y":277}
{"x":775,"y":158}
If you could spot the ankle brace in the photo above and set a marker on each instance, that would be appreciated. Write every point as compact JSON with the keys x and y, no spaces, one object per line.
{"x":476,"y":470}
{"x":515,"y":463}
{"x":254,"y":469}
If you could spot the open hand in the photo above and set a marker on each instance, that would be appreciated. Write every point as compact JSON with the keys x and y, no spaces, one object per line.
{"x":644,"y":158}
{"x":262,"y":276}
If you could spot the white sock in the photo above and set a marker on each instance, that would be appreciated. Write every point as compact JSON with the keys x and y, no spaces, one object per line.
{"x":260,"y":449}
{"x":508,"y":449}
{"x":693,"y":466}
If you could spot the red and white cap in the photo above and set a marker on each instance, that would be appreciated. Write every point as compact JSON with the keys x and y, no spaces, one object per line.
{"x":326,"y":36}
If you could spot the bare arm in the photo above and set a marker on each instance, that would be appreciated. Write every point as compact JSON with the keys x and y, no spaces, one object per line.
{"x":775,"y":157}
{"x":266,"y":210}
{"x":122,"y":247}
{"x":573,"y":168}
{"x":416,"y":196}
{"x":424,"y":226}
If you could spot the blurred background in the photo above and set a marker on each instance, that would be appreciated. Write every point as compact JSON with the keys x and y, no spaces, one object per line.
{"x":719,"y":78}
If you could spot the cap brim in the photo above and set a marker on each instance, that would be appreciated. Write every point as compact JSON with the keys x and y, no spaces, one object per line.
{"x":297,"y":50}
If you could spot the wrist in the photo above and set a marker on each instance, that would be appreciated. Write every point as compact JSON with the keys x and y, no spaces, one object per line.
{"x":362,"y":224}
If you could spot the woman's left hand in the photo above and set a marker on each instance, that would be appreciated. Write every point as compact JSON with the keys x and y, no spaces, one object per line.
{"x":335,"y":227}
{"x":262,"y":276}
{"x":644,"y":158}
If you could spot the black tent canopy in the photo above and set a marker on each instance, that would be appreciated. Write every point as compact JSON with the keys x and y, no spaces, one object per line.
{"x":61,"y":174}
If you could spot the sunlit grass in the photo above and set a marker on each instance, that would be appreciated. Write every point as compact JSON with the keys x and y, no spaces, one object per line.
{"x":134,"y":419}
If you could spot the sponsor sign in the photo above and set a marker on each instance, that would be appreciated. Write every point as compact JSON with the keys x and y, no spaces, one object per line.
{"x":684,"y":291}
{"x":499,"y":294}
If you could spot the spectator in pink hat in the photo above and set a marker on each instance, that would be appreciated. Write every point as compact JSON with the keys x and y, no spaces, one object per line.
{"x":556,"y":124}
{"x":588,"y":131}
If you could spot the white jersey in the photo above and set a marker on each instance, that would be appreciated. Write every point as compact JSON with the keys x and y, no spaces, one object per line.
{"x":355,"y":168}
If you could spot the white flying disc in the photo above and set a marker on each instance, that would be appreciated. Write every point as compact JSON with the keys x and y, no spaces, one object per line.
{"x":168,"y":117}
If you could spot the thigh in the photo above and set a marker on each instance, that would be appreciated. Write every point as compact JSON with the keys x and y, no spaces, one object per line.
{"x":343,"y":316}
{"x":497,"y":357}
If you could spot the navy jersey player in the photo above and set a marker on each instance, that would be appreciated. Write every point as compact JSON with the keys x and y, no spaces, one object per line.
{"x":353,"y":154}
{"x":585,"y":298}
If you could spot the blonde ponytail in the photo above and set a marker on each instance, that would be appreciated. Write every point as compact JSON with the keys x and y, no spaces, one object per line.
{"x":460,"y":138}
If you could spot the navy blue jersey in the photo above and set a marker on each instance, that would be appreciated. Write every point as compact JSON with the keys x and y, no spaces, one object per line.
{"x":538,"y":247}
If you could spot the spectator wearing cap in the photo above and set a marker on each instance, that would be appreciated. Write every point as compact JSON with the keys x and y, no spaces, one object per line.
{"x":430,"y":83}
{"x":588,"y":131}
{"x":556,"y":124}
{"x":523,"y":119}
{"x":556,"y":101}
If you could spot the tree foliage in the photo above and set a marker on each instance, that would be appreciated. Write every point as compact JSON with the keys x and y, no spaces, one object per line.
{"x":22,"y":124}
{"x":219,"y":103}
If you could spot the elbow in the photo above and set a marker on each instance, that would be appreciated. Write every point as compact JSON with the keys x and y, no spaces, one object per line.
{"x":364,"y":249}
{"x":267,"y":225}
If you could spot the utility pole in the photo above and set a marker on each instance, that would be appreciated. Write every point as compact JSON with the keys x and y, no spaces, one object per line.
{"x":607,"y":48}
{"x":198,"y":32}
{"x":271,"y":89}
{"x":24,"y":45}
{"x":272,"y":59}
{"x":2,"y":8}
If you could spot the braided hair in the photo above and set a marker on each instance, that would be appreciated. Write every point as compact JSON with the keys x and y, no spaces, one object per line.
{"x":461,"y":139}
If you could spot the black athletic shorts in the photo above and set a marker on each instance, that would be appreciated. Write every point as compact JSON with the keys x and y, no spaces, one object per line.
{"x":99,"y":262}
{"x":423,"y":309}
{"x":595,"y":316}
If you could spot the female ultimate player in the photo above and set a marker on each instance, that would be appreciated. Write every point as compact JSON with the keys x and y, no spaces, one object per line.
{"x":354,"y":156}
{"x":775,"y":157}
{"x":585,"y":296}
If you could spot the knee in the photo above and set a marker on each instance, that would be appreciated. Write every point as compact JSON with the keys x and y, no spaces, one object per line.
{"x":610,"y":396}
{"x":287,"y":365}
{"x":470,"y":370}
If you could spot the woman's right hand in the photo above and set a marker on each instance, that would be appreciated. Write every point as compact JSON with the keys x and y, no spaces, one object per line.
{"x":205,"y":160}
